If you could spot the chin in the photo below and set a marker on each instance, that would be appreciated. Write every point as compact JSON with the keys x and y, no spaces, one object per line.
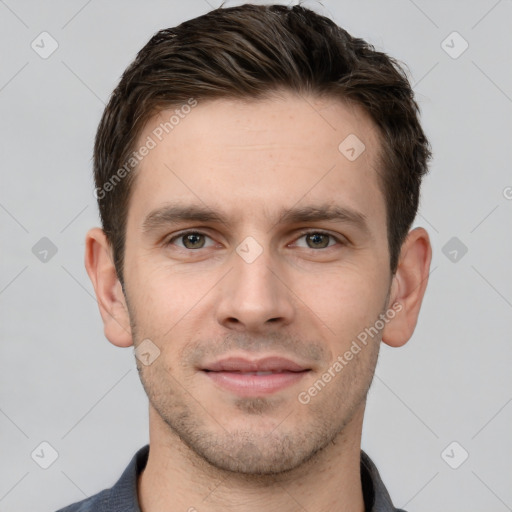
{"x":258,"y":454}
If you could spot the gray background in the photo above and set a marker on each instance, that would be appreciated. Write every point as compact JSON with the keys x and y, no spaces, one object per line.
{"x":62,"y":382}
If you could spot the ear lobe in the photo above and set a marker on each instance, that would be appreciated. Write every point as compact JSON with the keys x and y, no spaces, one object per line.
{"x":408,"y":287}
{"x":109,"y":293}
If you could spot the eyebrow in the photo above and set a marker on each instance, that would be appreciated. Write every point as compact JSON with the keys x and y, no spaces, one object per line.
{"x":170,"y":214}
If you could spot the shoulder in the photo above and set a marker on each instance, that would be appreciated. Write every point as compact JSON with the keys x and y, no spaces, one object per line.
{"x":122,"y":496}
{"x":376,"y":496}
{"x":92,"y":504}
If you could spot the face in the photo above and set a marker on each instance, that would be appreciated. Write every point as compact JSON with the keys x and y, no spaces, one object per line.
{"x":254,"y":244}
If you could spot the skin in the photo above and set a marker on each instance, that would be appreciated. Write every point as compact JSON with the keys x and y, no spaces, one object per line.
{"x":300,"y":298}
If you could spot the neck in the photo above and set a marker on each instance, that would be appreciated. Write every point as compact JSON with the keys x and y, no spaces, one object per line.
{"x":177,"y":479}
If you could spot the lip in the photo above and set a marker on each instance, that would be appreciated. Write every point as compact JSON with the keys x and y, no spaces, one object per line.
{"x":266,"y":364}
{"x":238,"y":375}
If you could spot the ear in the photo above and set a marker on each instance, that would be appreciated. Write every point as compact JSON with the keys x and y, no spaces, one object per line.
{"x":408,"y":287}
{"x":111,"y":300}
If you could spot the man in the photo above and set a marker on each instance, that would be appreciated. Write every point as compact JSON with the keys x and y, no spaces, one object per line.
{"x":257,"y":172}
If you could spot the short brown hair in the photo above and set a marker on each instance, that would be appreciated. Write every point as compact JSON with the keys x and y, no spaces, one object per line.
{"x":248,"y":52}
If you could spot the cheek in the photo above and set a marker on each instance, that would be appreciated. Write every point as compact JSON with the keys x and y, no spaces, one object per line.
{"x":347,"y":302}
{"x":165,"y":300}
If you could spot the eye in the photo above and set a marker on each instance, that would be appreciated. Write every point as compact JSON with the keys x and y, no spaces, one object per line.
{"x":318,"y":239}
{"x":190,"y":240}
{"x":193,"y":240}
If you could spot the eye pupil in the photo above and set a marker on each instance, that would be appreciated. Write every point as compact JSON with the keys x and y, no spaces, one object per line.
{"x":316,"y":237}
{"x":192,"y":238}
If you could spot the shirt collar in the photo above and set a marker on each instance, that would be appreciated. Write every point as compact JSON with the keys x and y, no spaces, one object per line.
{"x":124,"y":496}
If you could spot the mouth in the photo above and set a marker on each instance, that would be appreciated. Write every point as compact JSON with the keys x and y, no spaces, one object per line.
{"x":246,"y":377}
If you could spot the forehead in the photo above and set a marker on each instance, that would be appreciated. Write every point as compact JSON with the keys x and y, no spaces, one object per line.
{"x":248,"y":158}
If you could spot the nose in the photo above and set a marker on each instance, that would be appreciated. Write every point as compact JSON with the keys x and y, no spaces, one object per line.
{"x":255,"y":295}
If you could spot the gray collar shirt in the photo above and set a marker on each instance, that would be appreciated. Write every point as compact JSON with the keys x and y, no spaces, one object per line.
{"x":122,"y":497}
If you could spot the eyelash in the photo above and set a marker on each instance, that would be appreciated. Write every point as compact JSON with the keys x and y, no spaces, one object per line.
{"x":302,"y":234}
